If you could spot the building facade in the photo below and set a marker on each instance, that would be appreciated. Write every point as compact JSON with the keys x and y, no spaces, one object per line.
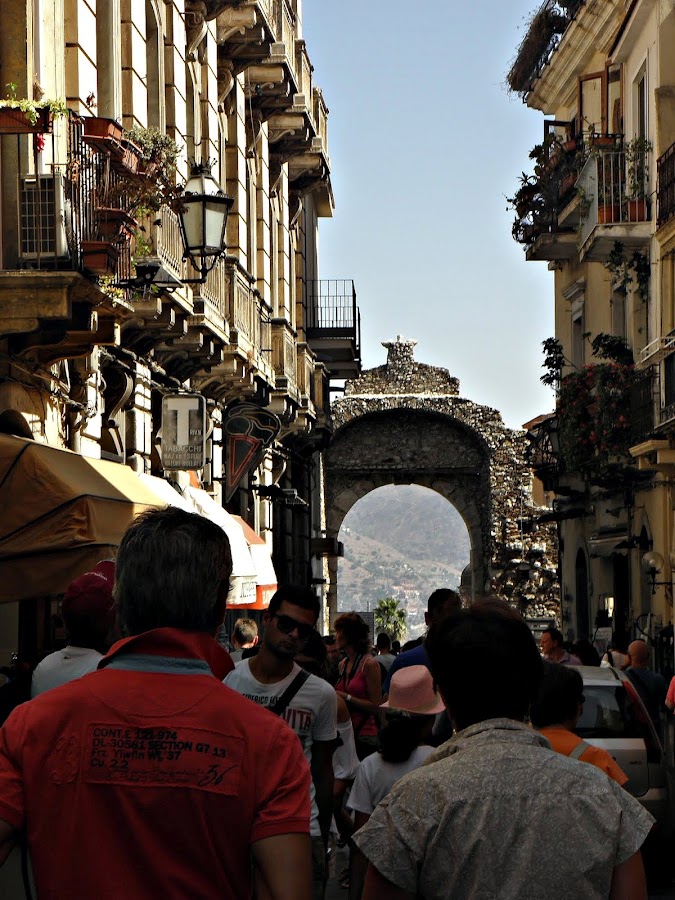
{"x":110,"y":105}
{"x":599,"y":208}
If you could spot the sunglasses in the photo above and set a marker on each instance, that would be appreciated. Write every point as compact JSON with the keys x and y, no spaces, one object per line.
{"x":287,"y":624}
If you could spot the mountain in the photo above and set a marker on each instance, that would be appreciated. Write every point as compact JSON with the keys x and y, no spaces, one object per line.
{"x":401,"y":541}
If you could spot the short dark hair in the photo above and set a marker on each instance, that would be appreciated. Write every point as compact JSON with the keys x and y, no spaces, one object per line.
{"x":559,"y":695}
{"x":173,"y":571}
{"x":382,"y":641}
{"x":441,"y":598}
{"x":329,"y":639}
{"x":355,"y":630}
{"x":485,"y":662}
{"x":298,"y":595}
{"x":556,"y":635}
{"x":245,"y":630}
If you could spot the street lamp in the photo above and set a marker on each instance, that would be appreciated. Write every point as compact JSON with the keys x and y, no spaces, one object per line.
{"x":202,"y":220}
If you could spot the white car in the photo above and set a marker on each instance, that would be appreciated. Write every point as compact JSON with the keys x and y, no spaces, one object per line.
{"x":614,"y":718}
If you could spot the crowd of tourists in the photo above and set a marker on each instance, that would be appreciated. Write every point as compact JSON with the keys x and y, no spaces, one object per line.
{"x":150,"y":761}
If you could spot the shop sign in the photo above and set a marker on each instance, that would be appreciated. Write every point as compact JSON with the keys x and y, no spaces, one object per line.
{"x":183,"y":431}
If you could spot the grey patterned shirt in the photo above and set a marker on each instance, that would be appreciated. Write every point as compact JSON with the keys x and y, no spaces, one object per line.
{"x":495,"y":814}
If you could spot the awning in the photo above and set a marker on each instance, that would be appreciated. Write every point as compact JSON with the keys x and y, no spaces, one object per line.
{"x":266,"y":578}
{"x":243,"y":582}
{"x":60,"y":513}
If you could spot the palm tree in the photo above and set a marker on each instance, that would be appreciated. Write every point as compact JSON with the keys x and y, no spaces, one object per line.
{"x":390,"y":617}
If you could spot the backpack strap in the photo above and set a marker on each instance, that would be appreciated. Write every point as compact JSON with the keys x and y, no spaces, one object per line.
{"x":579,"y":750}
{"x":280,"y":706}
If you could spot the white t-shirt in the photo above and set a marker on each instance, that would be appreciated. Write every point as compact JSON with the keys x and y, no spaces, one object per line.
{"x":375,"y":778}
{"x":312,"y":713}
{"x":63,"y":666}
{"x":345,"y":760}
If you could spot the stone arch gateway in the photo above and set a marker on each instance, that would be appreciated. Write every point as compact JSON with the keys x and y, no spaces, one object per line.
{"x":405,"y":423}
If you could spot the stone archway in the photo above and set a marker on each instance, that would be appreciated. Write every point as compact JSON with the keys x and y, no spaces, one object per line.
{"x":405,"y":423}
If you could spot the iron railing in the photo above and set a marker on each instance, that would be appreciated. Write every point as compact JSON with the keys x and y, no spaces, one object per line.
{"x":77,"y":198}
{"x":665,"y":169}
{"x":642,"y":405}
{"x":609,"y":198}
{"x":331,"y":306}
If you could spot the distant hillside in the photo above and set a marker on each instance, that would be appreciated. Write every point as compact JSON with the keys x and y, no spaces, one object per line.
{"x":401,"y":541}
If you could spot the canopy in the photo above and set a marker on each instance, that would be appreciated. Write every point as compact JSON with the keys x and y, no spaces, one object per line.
{"x":60,"y":513}
{"x":243,"y":581}
{"x":266,"y":577}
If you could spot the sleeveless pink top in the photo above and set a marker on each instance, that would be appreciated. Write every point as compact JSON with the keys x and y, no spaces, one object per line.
{"x":364,"y":723}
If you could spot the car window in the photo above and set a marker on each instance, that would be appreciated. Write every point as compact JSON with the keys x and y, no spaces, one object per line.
{"x":608,"y":713}
{"x":616,"y":711}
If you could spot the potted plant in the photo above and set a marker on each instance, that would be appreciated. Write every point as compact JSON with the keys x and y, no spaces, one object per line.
{"x":103,"y":133}
{"x":112,"y":223}
{"x":99,"y":257}
{"x":23,"y":116}
{"x":637,"y":177}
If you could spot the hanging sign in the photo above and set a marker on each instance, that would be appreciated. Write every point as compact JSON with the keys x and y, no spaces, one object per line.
{"x":247,"y":431}
{"x":183,"y":431}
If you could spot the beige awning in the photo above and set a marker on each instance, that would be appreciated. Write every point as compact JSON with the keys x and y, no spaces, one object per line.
{"x":60,"y":513}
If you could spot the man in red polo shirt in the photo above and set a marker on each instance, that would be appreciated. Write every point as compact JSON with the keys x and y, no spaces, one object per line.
{"x":149,"y":777}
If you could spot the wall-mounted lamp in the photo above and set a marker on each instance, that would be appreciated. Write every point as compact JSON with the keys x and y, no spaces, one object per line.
{"x":651,"y":564}
{"x":202,"y":221}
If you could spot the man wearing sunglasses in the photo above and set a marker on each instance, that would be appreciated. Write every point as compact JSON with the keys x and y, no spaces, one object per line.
{"x":273,"y":679}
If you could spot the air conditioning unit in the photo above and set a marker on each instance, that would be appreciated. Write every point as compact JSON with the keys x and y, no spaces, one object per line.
{"x":42,"y":222}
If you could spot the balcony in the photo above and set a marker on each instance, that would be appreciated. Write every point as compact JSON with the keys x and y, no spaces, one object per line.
{"x":546,"y":27}
{"x":616,"y":204}
{"x":333,"y":326}
{"x":665,"y":169}
{"x":59,"y":227}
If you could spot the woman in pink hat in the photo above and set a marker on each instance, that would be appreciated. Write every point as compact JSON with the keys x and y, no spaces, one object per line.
{"x":412,"y":707}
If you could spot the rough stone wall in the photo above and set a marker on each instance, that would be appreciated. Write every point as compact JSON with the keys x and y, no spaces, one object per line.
{"x":522,"y":554}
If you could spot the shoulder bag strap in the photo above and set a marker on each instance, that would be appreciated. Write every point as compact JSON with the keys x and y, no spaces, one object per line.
{"x":579,"y":750}
{"x":281,"y":704}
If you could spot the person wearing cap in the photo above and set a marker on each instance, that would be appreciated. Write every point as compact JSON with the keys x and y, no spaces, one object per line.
{"x":150,"y":777}
{"x":88,"y":611}
{"x":412,"y":707}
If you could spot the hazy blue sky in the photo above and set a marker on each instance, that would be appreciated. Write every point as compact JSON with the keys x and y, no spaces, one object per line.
{"x":425,"y":144}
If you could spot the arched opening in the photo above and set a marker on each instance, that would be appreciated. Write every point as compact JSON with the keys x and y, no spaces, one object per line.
{"x":402,"y":541}
{"x":581,"y":593}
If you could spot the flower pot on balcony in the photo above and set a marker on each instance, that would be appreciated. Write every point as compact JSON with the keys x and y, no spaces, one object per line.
{"x":637,"y":210}
{"x":608,"y":214}
{"x":127,"y":161}
{"x":601,"y":141}
{"x":114,"y":223}
{"x":99,"y":257}
{"x":103,"y":134}
{"x":16,"y":121}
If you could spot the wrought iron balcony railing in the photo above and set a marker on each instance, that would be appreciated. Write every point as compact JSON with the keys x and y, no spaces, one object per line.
{"x":665,"y":168}
{"x":333,"y":325}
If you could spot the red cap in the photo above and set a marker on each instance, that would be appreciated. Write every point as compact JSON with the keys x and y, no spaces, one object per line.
{"x":91,"y":593}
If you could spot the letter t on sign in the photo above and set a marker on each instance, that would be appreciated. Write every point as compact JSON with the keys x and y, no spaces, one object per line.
{"x":183,"y":431}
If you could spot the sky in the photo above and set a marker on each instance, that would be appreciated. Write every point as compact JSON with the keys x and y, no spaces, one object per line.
{"x":425,"y":145}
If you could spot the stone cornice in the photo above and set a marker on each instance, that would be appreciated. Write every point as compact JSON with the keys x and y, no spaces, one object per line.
{"x":593,"y":31}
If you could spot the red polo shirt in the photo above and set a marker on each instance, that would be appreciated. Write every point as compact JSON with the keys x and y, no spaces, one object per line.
{"x":149,"y":777}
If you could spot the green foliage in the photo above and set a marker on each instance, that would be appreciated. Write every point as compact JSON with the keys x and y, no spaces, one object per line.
{"x":594,"y":414}
{"x":554,"y":361}
{"x":391,"y":618}
{"x":30,"y":108}
{"x":624,"y":271}
{"x":613,"y":348}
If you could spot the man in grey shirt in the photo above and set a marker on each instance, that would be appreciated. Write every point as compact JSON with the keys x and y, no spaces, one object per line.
{"x":494,"y":812}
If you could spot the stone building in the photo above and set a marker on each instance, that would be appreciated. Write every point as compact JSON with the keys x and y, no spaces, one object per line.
{"x":405,"y":423}
{"x":103,"y":314}
{"x":599,"y":208}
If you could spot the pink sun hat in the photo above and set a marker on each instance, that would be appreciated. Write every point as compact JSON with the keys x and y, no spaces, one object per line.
{"x":412,"y":690}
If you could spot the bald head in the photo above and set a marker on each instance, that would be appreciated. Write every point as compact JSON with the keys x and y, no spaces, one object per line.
{"x":639,"y":654}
